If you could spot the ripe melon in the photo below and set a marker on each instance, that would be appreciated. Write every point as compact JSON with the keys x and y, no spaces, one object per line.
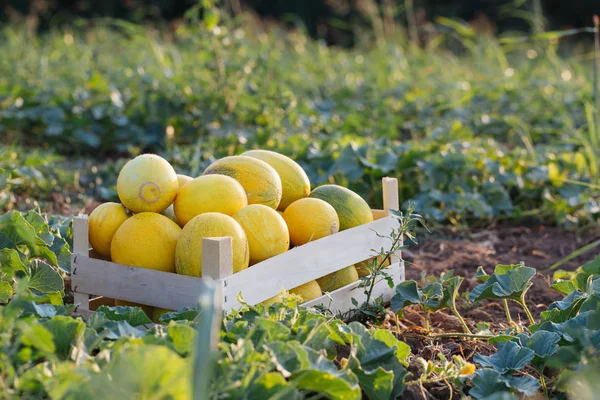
{"x":146,"y":240}
{"x":310,"y":219}
{"x":294,"y":181}
{"x":188,"y":257}
{"x":266,"y":231}
{"x":148,"y":310}
{"x":350,"y":207}
{"x":103,"y":223}
{"x":182,"y":180}
{"x":209,"y":193}
{"x":309,"y":291}
{"x":260,"y":181}
{"x":147,"y":183}
{"x":338,"y":279}
{"x":363,"y":267}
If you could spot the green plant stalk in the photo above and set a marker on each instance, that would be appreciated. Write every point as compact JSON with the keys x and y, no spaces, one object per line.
{"x":543,"y":383}
{"x":522,"y":303}
{"x":575,"y":254}
{"x":427,"y":320}
{"x":507,"y":311}
{"x":457,"y":315}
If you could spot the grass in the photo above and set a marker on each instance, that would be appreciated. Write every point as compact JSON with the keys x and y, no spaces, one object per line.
{"x":476,"y":128}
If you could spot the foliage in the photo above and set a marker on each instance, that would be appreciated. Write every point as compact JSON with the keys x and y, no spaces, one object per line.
{"x":34,"y":256}
{"x":566,"y":338}
{"x":487,"y":134}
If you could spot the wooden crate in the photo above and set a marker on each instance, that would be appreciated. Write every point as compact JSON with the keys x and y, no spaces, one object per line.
{"x":108,"y":280}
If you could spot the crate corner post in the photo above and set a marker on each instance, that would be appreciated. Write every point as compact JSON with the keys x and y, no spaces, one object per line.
{"x":217,"y":263}
{"x":391,"y":201}
{"x":81,"y":247}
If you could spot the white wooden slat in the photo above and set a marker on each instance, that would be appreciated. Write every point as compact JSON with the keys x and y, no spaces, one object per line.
{"x":81,"y":244}
{"x":308,"y":262}
{"x":341,"y":299}
{"x":217,"y":257}
{"x":139,"y":285}
{"x":83,"y":299}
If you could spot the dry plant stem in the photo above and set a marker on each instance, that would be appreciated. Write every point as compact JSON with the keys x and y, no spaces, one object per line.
{"x":460,"y":334}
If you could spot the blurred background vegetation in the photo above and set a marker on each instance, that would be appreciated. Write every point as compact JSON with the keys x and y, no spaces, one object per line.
{"x":479,"y":121}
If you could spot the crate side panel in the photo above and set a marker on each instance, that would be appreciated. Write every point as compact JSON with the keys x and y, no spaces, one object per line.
{"x":341,"y":299}
{"x":308,"y":262}
{"x":139,"y":285}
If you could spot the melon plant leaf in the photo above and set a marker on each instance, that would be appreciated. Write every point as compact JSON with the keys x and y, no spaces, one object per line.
{"x":510,"y":356}
{"x":17,"y":232}
{"x":10,"y":261}
{"x":565,"y":309}
{"x":377,"y":383}
{"x":543,"y":343}
{"x":5,"y":292}
{"x":387,"y":337}
{"x":185,"y":314}
{"x":481,"y":275}
{"x":407,"y":293}
{"x":182,"y":336}
{"x":40,"y":226}
{"x":336,"y":386}
{"x":432,"y":296}
{"x":37,"y":336}
{"x":592,"y":303}
{"x":288,"y":357}
{"x":66,"y":333}
{"x":564,"y":287}
{"x":44,"y":278}
{"x":273,"y":386}
{"x":488,"y":383}
{"x":117,"y":329}
{"x":135,"y":316}
{"x":509,"y":285}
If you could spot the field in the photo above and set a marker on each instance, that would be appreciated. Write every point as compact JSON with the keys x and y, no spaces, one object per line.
{"x":495,"y":142}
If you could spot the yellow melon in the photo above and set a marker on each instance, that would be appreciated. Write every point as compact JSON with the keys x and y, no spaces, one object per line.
{"x":310,"y":219}
{"x":363,"y":267}
{"x":182,"y":180}
{"x":146,"y":240}
{"x":103,"y":223}
{"x":209,"y":193}
{"x":294,"y":181}
{"x":266,"y":231}
{"x":309,"y":291}
{"x":352,"y":209}
{"x":338,"y":279}
{"x":188,"y":257}
{"x":147,"y":183}
{"x":260,"y":181}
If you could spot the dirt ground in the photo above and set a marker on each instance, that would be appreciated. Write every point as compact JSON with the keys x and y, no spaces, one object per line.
{"x":537,"y":247}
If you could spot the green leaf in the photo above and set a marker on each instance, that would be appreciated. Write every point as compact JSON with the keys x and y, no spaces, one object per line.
{"x":182,"y":336}
{"x":377,"y":383}
{"x":564,"y":287}
{"x":135,"y":316}
{"x":66,"y":332}
{"x":481,"y":275}
{"x":16,"y":232}
{"x":387,"y":337}
{"x":10,"y":261}
{"x":118,"y":329}
{"x":510,"y":356}
{"x":488,"y":383}
{"x":543,"y":343}
{"x":44,"y":278}
{"x":6,"y":292}
{"x":509,"y":285}
{"x":142,"y":372}
{"x":36,"y":335}
{"x":185,"y":314}
{"x":273,"y":386}
{"x":40,"y":226}
{"x":407,"y":293}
